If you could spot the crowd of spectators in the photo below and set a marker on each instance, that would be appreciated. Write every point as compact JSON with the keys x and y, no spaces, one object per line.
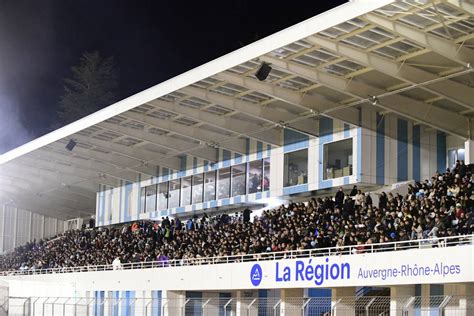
{"x":437,"y":207}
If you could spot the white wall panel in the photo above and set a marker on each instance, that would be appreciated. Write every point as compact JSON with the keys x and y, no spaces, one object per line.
{"x":415,"y":266}
{"x":18,"y":226}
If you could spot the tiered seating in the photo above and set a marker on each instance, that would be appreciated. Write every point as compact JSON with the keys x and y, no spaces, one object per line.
{"x":437,"y":207}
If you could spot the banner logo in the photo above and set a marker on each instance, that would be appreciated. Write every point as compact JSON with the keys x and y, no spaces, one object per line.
{"x":256,"y":274}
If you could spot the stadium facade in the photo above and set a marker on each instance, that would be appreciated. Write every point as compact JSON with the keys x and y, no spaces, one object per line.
{"x":371,"y":93}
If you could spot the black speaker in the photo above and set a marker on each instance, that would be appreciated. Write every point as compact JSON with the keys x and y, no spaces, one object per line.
{"x":70,"y":146}
{"x":263,"y":71}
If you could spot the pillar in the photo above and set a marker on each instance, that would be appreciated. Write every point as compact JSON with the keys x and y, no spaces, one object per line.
{"x":343,"y":301}
{"x":212,"y":302}
{"x":469,"y":151}
{"x":241,"y":303}
{"x":399,"y":297}
{"x":291,"y":302}
{"x":173,"y":303}
{"x":424,"y":305}
{"x":458,"y":306}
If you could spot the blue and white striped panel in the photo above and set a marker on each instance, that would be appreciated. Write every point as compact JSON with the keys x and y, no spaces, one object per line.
{"x":99,"y":301}
{"x":156,"y":303}
{"x":127,"y":303}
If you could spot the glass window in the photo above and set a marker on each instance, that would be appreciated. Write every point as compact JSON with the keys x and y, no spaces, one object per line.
{"x":266,"y":174}
{"x":254,"y":182}
{"x":296,"y":168}
{"x":163,"y":196}
{"x":142,"y":199}
{"x":198,"y":181}
{"x":173,"y":199}
{"x":151,"y":198}
{"x":461,"y":154}
{"x":186,"y":191}
{"x":209,"y":186}
{"x":223,"y":183}
{"x":337,"y":159}
{"x":238,"y":179}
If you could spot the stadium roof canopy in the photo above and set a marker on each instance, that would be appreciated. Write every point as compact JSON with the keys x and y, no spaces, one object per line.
{"x":412,"y":58}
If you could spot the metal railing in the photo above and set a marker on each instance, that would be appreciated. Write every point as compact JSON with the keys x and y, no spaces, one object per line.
{"x":249,"y":306}
{"x":319,"y":252}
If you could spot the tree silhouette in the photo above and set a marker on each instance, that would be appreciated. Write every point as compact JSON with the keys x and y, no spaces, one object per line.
{"x":92,"y":86}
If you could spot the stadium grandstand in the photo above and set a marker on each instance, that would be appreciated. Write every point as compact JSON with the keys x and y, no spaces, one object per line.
{"x":324,"y":170}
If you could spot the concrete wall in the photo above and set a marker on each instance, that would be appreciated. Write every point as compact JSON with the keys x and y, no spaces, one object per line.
{"x":396,"y":150}
{"x":387,"y":150}
{"x":415,"y":266}
{"x":18,"y":226}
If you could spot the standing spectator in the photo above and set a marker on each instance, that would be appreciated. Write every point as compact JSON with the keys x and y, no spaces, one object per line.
{"x":246,"y":215}
{"x":339,"y":198}
{"x":353,"y":191}
{"x":92,"y":222}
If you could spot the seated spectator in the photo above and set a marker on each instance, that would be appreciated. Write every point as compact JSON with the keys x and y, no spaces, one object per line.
{"x":427,"y":212}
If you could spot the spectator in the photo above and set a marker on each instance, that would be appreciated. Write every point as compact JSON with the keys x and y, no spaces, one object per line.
{"x":246,"y":215}
{"x":353,"y":191}
{"x":339,"y":198}
{"x":92,"y":222}
{"x":320,"y":223}
{"x":116,"y":264}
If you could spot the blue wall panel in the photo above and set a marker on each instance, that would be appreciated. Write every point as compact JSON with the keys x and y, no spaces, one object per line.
{"x":156,"y":303}
{"x":416,"y":153}
{"x":293,"y":140}
{"x":380,"y":150}
{"x":402,"y":150}
{"x":223,"y":299}
{"x":347,"y":130}
{"x":263,"y":309}
{"x":99,"y":297}
{"x":194,"y":306}
{"x":325,"y":136}
{"x":259,"y":150}
{"x":226,"y":158}
{"x":441,"y":151}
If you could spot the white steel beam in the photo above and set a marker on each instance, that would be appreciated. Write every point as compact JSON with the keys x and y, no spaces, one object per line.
{"x":443,"y":47}
{"x":467,"y":6}
{"x":415,"y":110}
{"x":41,"y":200}
{"x":64,"y":199}
{"x":303,"y":101}
{"x":35,"y":186}
{"x":267,"y":114}
{"x":135,"y":153}
{"x":447,"y":88}
{"x":114,"y":159}
{"x":235,"y":144}
{"x":168,"y":142}
{"x":61,"y":176}
{"x":40,"y":206}
{"x":229,"y":124}
{"x":80,"y":165}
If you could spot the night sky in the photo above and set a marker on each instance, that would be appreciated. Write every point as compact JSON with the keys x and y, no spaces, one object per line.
{"x":151,"y":41}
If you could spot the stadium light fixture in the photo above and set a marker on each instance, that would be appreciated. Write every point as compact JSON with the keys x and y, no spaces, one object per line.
{"x":70,"y":146}
{"x":263,"y":72}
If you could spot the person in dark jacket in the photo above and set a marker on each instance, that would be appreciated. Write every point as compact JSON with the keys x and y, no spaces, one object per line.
{"x":354,"y":191}
{"x":247,"y":215}
{"x":339,"y":198}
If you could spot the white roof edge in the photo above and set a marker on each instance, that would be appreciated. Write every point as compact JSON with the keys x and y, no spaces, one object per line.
{"x":284,"y":37}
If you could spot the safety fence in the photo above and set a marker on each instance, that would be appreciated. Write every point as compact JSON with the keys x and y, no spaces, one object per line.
{"x":319,"y":252}
{"x":444,"y":305}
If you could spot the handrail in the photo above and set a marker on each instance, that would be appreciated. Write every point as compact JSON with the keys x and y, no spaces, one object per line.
{"x":318,"y":252}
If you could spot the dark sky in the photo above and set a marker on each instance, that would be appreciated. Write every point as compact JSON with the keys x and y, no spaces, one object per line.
{"x":151,"y":41}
